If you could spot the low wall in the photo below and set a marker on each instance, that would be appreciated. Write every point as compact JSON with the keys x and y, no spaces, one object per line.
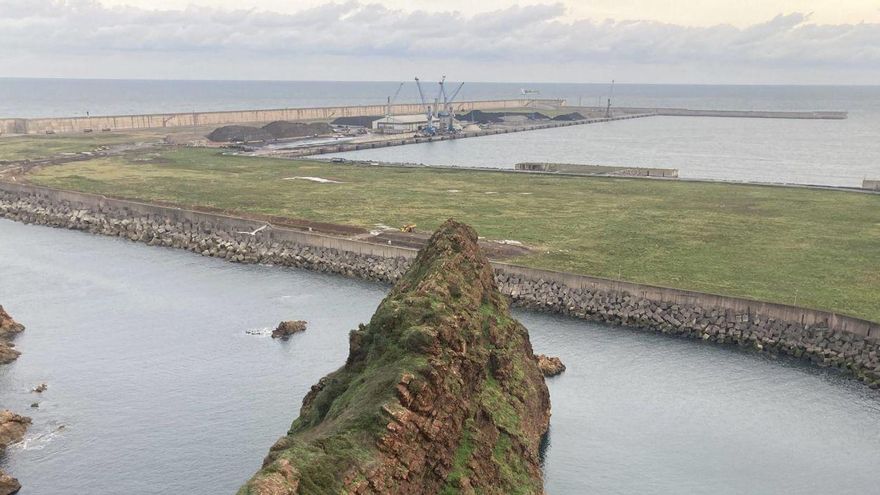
{"x":825,"y":338}
{"x":745,"y":114}
{"x":871,"y":185}
{"x":192,"y":119}
{"x":578,"y":169}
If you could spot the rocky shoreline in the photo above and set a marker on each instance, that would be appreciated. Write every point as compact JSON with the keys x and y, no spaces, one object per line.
{"x":9,"y":328}
{"x":851,"y":353}
{"x":12,"y":426}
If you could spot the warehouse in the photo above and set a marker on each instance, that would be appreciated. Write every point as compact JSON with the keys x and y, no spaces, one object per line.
{"x":396,"y":124}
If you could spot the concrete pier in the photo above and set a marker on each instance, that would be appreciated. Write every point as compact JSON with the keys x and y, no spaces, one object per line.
{"x":368,"y":145}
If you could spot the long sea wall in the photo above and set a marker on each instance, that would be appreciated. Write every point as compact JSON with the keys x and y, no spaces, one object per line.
{"x":193,"y":119}
{"x":827,"y":339}
{"x":741,"y":114}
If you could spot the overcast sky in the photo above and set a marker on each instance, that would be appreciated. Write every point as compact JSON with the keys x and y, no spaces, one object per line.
{"x":642,"y":41}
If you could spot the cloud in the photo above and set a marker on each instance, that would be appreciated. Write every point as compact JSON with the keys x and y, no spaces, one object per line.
{"x":516,"y":35}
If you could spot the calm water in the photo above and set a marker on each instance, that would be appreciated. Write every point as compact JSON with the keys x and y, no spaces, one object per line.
{"x":840,"y":153}
{"x":161,"y":391}
{"x":826,"y":152}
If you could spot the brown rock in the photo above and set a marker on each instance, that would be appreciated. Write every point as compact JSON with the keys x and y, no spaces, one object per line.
{"x":287,"y":328}
{"x":550,"y":365}
{"x":8,"y":484}
{"x":40,"y":388}
{"x":8,"y":326}
{"x":440,"y":393}
{"x":12,"y":428}
{"x":7,"y":353}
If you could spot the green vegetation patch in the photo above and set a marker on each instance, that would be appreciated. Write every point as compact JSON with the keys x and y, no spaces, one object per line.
{"x":51,"y":146}
{"x":813,"y":248}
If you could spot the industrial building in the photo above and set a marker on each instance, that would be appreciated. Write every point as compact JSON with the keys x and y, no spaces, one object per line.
{"x":397,"y":124}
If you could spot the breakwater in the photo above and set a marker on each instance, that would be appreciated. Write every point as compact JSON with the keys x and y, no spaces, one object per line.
{"x":742,"y":114}
{"x":193,"y":119}
{"x":826,"y":339}
{"x":385,"y":143}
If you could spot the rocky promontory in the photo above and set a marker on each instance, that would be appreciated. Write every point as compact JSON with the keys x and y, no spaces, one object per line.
{"x":12,"y":428}
{"x":440,"y":393}
{"x":8,"y":484}
{"x":8,"y":328}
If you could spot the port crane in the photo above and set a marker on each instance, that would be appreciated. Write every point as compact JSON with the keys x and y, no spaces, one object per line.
{"x":429,"y":111}
{"x":447,"y":115}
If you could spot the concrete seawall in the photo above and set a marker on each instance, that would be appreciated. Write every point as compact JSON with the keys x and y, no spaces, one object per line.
{"x":825,"y":338}
{"x":192,"y":119}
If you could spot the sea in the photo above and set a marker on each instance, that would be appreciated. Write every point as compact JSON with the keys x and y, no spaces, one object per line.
{"x":818,"y":152}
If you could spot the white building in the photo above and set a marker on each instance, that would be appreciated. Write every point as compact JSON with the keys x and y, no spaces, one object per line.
{"x":396,"y":124}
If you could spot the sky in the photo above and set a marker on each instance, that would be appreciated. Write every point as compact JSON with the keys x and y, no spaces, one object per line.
{"x":638,"y":41}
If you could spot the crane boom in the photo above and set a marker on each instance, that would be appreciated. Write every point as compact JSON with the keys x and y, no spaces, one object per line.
{"x":396,"y":93}
{"x":421,"y":94}
{"x":455,"y":93}
{"x":442,"y":92}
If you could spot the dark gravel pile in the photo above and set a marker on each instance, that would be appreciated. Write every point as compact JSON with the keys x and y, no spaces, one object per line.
{"x":481,"y":117}
{"x":276,"y":130}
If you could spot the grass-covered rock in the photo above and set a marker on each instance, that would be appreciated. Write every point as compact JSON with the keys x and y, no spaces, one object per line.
{"x":440,"y":393}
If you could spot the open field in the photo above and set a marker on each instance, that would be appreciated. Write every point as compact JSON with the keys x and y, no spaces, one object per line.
{"x":37,"y":147}
{"x":812,"y":248}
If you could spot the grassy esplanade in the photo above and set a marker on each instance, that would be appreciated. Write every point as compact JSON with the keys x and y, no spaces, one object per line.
{"x":812,"y":248}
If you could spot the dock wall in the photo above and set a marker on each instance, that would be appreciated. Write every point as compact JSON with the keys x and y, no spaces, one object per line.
{"x":193,"y":119}
{"x":825,"y":338}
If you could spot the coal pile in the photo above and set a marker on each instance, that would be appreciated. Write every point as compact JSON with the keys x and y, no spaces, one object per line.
{"x":282,"y":129}
{"x":481,"y":117}
{"x":568,"y":117}
{"x":270,"y":132}
{"x":365,"y":121}
{"x":239,"y":134}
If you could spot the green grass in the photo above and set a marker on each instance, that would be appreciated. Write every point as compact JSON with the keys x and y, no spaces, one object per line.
{"x":37,"y":147}
{"x":812,"y":248}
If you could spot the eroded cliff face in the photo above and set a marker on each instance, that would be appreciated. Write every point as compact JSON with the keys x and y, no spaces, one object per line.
{"x":441,"y":393}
